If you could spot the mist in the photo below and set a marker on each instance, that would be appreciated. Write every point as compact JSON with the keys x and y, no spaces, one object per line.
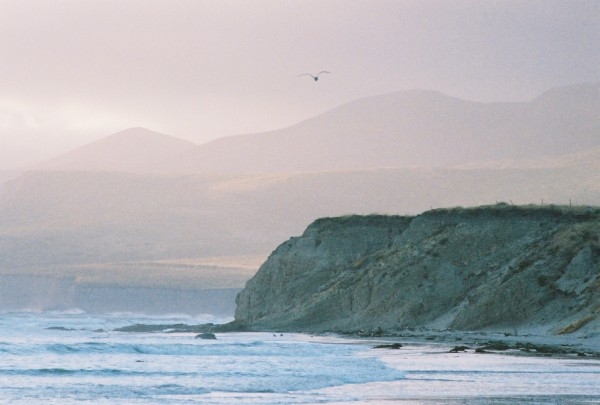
{"x":200,"y":70}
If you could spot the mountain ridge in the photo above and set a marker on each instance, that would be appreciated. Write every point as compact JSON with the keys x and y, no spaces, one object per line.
{"x":412,"y":128}
{"x":400,"y":129}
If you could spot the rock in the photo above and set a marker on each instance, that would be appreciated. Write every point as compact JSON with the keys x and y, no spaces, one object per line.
{"x":496,"y":346}
{"x":501,"y":267}
{"x":61,"y":328}
{"x":389,"y":346}
{"x":542,"y":349}
{"x":206,"y":335}
{"x":457,"y":349}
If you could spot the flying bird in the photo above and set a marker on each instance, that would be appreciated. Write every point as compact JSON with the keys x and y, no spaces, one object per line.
{"x":315,"y":77}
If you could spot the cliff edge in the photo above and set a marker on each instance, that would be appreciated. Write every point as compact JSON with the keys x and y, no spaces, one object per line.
{"x":497,"y":268}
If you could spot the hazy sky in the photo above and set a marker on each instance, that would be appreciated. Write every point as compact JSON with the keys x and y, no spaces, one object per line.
{"x":72,"y":71}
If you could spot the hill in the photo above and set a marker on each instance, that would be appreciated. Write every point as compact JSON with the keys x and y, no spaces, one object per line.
{"x":410,"y":128}
{"x":499,"y":268}
{"x":131,"y":150}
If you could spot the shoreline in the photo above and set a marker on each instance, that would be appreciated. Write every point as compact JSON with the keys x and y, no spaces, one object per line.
{"x":576,"y":346}
{"x":480,"y":342}
{"x":421,"y":371}
{"x":436,"y":374}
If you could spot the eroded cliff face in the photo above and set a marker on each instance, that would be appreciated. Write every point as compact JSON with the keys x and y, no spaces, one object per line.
{"x":497,"y":268}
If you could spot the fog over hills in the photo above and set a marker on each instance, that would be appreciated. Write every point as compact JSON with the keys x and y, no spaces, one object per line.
{"x":410,"y":128}
{"x":131,"y":150}
{"x":151,"y":207}
{"x":8,"y":174}
{"x":401,"y":129}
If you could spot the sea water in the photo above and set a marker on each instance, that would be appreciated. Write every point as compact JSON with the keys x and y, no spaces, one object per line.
{"x":64,"y":358}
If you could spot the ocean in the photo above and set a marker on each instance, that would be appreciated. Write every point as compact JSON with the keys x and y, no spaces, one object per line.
{"x":73,"y":358}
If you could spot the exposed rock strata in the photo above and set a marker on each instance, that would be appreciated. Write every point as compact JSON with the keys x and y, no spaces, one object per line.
{"x":497,"y":268}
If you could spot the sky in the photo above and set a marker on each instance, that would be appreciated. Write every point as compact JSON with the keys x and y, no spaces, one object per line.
{"x":73,"y":71}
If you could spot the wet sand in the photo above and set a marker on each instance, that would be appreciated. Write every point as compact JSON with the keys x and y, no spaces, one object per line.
{"x":563,"y":370}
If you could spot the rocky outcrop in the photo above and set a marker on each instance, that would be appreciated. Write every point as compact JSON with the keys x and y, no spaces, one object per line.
{"x":499,"y":267}
{"x":207,"y":336}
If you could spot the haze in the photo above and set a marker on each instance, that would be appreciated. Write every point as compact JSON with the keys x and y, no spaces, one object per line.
{"x":73,"y":72}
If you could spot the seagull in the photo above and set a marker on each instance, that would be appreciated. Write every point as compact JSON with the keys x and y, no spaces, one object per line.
{"x":315,"y":77}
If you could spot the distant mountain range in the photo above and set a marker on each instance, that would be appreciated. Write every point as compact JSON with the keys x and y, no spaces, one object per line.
{"x":411,"y":128}
{"x":402,"y":129}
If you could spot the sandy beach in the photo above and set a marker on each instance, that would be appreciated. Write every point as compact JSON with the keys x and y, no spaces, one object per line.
{"x":484,"y":368}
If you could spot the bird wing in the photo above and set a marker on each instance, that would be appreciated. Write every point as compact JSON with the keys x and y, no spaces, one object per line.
{"x":306,"y":74}
{"x":322,"y":71}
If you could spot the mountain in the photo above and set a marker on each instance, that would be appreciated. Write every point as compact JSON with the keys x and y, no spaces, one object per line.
{"x":401,"y":129}
{"x":410,"y":128}
{"x":131,"y":150}
{"x":500,"y":268}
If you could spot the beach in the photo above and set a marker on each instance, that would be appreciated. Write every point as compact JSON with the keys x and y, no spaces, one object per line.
{"x":75,"y":357}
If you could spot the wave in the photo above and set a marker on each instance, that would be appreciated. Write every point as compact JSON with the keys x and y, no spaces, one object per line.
{"x":124,"y":315}
{"x":84,"y":372}
{"x":43,"y":311}
{"x":65,"y":356}
{"x":198,"y":348}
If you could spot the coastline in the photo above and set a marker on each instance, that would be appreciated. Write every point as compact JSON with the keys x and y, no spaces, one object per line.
{"x":527,"y":343}
{"x":460,"y":367}
{"x":348,"y":368}
{"x":434,"y":375}
{"x":487,"y":368}
{"x":480,"y":342}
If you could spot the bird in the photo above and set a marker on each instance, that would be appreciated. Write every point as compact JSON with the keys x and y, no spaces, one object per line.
{"x":315,"y":77}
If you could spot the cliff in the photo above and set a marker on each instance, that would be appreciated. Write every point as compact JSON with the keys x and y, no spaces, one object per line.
{"x":497,"y":268}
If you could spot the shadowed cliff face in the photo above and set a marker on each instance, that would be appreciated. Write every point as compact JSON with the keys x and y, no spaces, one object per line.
{"x":500,"y":267}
